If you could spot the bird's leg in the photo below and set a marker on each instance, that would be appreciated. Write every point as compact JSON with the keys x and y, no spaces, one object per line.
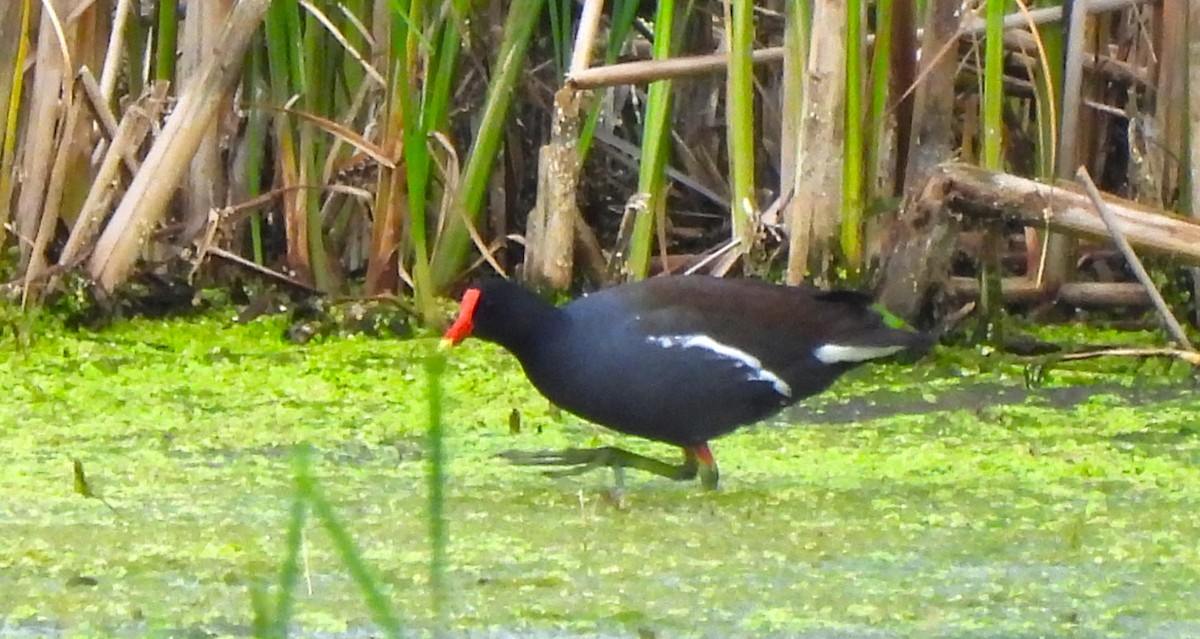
{"x":689,"y":468}
{"x":581,"y":460}
{"x":701,"y":456}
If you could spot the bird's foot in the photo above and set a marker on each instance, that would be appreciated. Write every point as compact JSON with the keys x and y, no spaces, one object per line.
{"x":576,"y":460}
{"x":580,"y":460}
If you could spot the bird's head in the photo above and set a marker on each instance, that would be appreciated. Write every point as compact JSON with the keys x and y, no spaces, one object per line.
{"x":500,"y":311}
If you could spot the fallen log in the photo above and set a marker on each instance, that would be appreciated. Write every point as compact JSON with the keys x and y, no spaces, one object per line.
{"x":960,"y":196}
{"x":1079,"y":294}
{"x":979,"y":195}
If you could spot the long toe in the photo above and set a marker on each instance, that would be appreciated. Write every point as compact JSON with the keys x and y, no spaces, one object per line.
{"x":574,"y":461}
{"x":583,"y":458}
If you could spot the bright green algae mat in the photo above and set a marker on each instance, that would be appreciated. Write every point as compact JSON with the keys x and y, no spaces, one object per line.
{"x":943,"y":500}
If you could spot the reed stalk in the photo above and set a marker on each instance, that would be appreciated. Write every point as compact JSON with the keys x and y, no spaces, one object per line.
{"x":743,"y":207}
{"x":656,"y":141}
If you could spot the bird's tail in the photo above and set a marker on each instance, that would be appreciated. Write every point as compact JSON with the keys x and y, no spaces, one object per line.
{"x":896,"y":331}
{"x":914,"y":343}
{"x":877,"y":334}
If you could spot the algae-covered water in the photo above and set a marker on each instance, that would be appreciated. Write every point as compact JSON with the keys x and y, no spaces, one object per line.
{"x":942,"y":500}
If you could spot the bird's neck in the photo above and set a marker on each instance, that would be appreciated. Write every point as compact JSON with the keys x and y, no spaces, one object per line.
{"x":530,"y":324}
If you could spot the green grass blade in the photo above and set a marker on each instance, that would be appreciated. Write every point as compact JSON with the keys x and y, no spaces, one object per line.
{"x":377,"y":604}
{"x":451,"y":253}
{"x":289,"y":570}
{"x":439,"y":534}
{"x":436,"y":112}
{"x":560,"y":33}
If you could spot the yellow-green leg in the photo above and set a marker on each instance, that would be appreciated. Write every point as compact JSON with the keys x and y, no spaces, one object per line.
{"x":704,"y":463}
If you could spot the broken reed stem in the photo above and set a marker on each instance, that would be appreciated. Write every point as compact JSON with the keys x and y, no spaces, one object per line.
{"x":1172,"y":325}
{"x":643,"y":71}
{"x":1191,"y":357}
{"x":589,"y":25}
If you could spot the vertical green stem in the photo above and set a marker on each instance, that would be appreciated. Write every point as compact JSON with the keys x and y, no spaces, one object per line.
{"x":12,"y":111}
{"x":656,"y":140}
{"x":1048,"y":95}
{"x":165,"y":42}
{"x":740,"y":98}
{"x":880,"y":69}
{"x":256,"y":138}
{"x":137,"y":33}
{"x":990,"y":296}
{"x":308,"y":67}
{"x":852,"y":173}
{"x":993,"y":86}
{"x":406,"y":90}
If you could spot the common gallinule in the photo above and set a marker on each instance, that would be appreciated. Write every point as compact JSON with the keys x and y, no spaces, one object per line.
{"x":681,"y":359}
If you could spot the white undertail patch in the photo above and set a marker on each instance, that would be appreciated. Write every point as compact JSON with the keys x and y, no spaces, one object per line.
{"x":737,"y":355}
{"x":835,"y":353}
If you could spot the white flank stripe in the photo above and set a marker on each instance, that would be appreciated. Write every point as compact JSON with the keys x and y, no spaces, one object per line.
{"x":834,"y":353}
{"x":737,"y":355}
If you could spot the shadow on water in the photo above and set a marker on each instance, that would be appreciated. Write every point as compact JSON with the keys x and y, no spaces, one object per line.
{"x":975,"y":397}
